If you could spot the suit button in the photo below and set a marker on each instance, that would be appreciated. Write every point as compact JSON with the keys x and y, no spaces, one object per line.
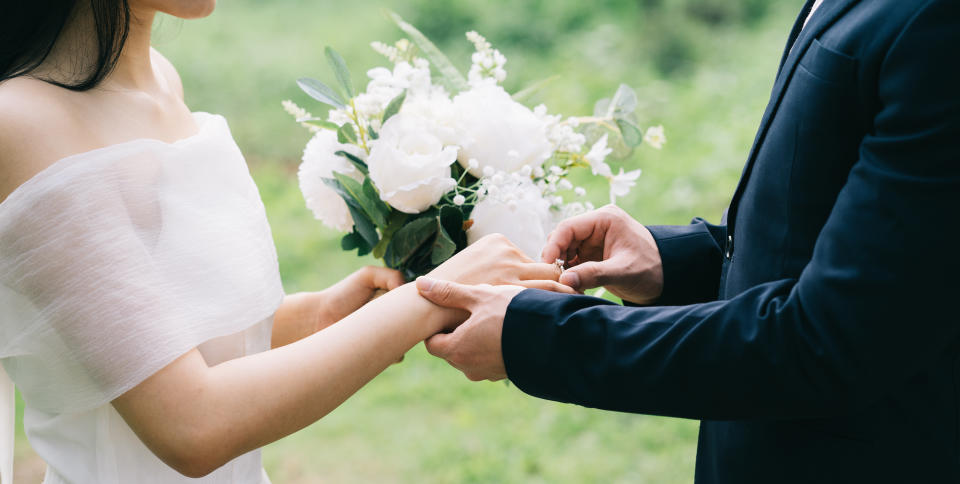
{"x":729,"y":251}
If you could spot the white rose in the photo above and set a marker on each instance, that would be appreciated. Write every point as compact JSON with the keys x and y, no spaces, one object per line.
{"x":410,"y":165}
{"x":517,"y":211}
{"x":319,"y":162}
{"x":498,"y":131}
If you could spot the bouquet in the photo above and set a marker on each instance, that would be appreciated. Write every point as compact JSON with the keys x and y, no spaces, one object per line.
{"x":425,"y":161}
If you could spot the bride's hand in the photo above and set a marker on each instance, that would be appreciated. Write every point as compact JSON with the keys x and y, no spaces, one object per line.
{"x":495,"y":260}
{"x":305,"y":313}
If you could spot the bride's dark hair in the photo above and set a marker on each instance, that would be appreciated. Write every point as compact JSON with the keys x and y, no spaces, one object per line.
{"x":30,"y":28}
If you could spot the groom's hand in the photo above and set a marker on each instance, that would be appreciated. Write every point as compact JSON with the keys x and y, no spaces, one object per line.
{"x":474,"y":346}
{"x":608,"y":248}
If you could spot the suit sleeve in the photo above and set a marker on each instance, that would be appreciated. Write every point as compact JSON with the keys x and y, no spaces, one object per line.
{"x":875,"y":305}
{"x":692,"y":257}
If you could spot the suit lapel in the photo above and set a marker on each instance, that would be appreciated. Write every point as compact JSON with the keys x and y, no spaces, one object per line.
{"x":800,"y":40}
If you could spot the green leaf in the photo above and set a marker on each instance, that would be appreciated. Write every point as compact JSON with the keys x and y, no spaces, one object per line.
{"x":321,"y":92}
{"x":375,"y":203}
{"x":630,"y":133}
{"x":394,"y":223}
{"x":443,"y":246}
{"x":361,"y":220}
{"x":353,"y":240}
{"x":364,"y":227}
{"x":373,"y":133}
{"x":408,"y":239}
{"x":357,"y":162}
{"x":394,"y":106}
{"x":528,"y":92}
{"x":452,"y":219}
{"x":362,"y":198}
{"x":347,"y":134}
{"x":451,"y":78}
{"x":340,"y":69}
{"x":320,"y":123}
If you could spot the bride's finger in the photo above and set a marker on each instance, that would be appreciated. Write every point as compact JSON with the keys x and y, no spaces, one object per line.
{"x":383,"y":278}
{"x":539,"y":271}
{"x":552,"y":286}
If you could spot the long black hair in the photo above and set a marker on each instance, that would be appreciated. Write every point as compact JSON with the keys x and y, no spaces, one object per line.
{"x":30,"y":28}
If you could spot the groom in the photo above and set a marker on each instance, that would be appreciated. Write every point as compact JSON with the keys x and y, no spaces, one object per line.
{"x":816,"y":332}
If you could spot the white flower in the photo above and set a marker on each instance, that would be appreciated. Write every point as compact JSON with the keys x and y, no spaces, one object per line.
{"x":621,"y":184}
{"x":386,"y":84}
{"x":596,"y":156}
{"x":570,"y":210}
{"x":580,"y":191}
{"x":459,"y":200}
{"x":473,"y":164}
{"x":410,"y":165}
{"x":319,"y":162}
{"x":655,"y":137}
{"x":561,"y":134}
{"x":487,"y":67}
{"x":516,"y":210}
{"x":498,"y":131}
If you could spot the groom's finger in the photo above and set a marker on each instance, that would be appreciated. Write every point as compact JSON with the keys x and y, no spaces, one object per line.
{"x":588,"y":275}
{"x":439,"y":345}
{"x":564,"y":241}
{"x":547,"y":286}
{"x":447,"y":294}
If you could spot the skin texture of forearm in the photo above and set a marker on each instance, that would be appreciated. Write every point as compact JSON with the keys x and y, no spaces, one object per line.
{"x":218,"y":413}
{"x":295,"y":319}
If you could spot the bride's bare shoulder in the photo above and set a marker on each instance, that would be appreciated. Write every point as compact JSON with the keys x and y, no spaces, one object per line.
{"x":36,"y":125}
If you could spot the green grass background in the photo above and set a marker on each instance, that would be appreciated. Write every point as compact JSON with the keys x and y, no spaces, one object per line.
{"x":702,"y":68}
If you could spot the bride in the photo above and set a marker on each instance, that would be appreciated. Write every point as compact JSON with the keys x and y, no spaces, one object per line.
{"x":139,"y":289}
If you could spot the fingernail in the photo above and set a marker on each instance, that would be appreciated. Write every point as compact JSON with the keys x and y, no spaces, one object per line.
{"x":571,"y":279}
{"x":424,"y":284}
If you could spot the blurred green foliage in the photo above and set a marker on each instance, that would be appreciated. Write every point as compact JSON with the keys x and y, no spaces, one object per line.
{"x":702,"y":68}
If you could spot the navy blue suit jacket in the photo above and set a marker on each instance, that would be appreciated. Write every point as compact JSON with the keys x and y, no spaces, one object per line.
{"x":816,"y":333}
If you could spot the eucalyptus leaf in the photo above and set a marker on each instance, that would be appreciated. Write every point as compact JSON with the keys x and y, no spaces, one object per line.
{"x":320,"y":123}
{"x":408,"y":239}
{"x":451,"y":78}
{"x":630,"y":133}
{"x":624,"y":100}
{"x":528,"y":92}
{"x":443,"y":246}
{"x":394,"y":106}
{"x":339,"y":67}
{"x":321,"y":92}
{"x":357,"y":162}
{"x":347,"y":134}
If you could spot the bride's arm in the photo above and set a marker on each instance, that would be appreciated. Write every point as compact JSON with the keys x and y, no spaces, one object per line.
{"x":197,"y":418}
{"x":305,"y":313}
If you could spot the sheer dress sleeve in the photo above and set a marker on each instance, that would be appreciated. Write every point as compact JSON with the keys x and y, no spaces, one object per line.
{"x":115,"y":262}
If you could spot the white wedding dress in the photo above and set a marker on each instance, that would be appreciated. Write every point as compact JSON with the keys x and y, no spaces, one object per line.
{"x":113,"y":263}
